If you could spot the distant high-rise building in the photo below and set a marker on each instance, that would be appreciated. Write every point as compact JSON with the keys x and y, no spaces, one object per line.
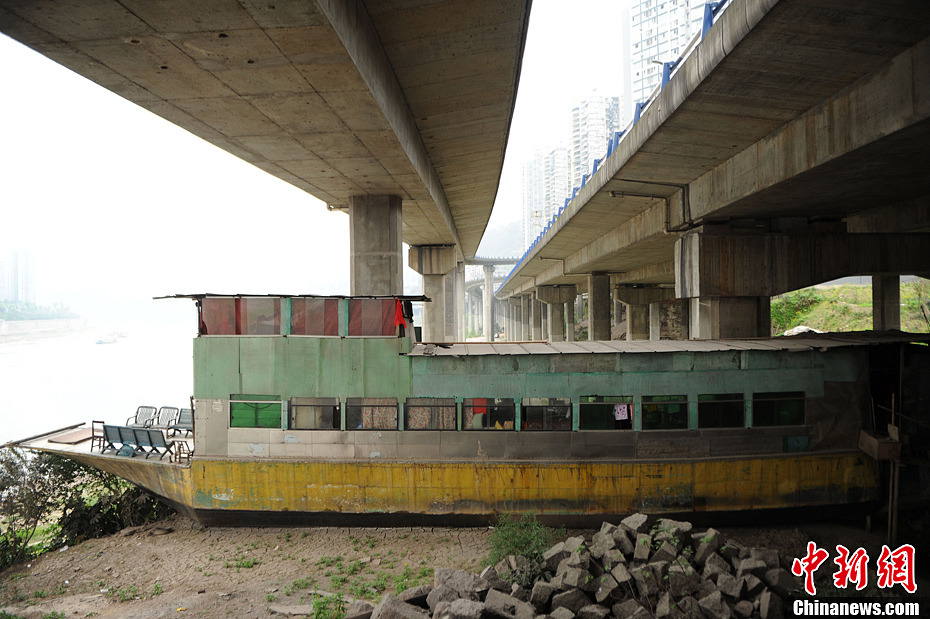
{"x":546,"y":184}
{"x":16,"y":278}
{"x":659,"y":32}
{"x":594,"y":120}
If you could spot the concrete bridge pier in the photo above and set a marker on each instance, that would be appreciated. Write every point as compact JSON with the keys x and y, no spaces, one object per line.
{"x":536,"y":318}
{"x":643,"y":310}
{"x":598,"y":307}
{"x":555,"y":298}
{"x":570,"y":320}
{"x":434,"y":263}
{"x":526,"y":302}
{"x":487,"y":302}
{"x":376,"y":266}
{"x":886,"y":302}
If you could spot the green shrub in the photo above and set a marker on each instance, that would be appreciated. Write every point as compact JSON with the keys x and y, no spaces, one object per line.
{"x":520,"y":536}
{"x":788,"y":310}
{"x":328,"y":607}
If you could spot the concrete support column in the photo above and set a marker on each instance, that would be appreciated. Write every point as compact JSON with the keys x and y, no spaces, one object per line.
{"x":517,"y":319}
{"x":570,"y":321}
{"x":886,"y":302}
{"x":434,"y":262}
{"x":655,"y":321}
{"x":729,"y":317}
{"x":598,"y":307}
{"x":555,"y":298}
{"x":637,"y":322}
{"x":460,"y":302}
{"x":487,"y":302}
{"x":525,"y":303}
{"x":556,"y":322}
{"x":375,"y":261}
{"x":536,"y":317}
{"x":433,"y":319}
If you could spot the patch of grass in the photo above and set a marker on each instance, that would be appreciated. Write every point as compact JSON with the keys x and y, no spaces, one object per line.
{"x":125,"y":594}
{"x":243,"y":563}
{"x":40,"y":594}
{"x":157,"y":589}
{"x":353,"y":568}
{"x":338,"y":581}
{"x":271,"y":597}
{"x":410,"y":578}
{"x":520,"y":536}
{"x":53,"y":615}
{"x":328,"y":561}
{"x":298,"y":585}
{"x":328,"y":607}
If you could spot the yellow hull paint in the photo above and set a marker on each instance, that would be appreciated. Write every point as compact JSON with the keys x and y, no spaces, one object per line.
{"x":539,"y":487}
{"x":481,"y":488}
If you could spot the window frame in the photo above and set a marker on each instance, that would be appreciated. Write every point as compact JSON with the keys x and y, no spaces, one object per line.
{"x":321,"y":403}
{"x":761,"y":397}
{"x":505,"y":403}
{"x":604,"y":401}
{"x":741,"y":399}
{"x":352,"y":403}
{"x":525,"y":406}
{"x":680,"y":399}
{"x":254,"y":398}
{"x":446,"y":403}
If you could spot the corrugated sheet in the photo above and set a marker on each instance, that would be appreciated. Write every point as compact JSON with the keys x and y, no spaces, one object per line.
{"x":795,"y":343}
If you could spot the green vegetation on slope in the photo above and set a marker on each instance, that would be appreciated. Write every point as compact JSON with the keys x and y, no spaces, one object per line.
{"x":848,"y":308}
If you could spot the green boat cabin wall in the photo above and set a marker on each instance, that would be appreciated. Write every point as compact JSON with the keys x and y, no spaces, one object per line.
{"x":377,"y":367}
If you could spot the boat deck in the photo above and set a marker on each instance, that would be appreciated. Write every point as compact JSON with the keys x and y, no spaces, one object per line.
{"x":76,"y":440}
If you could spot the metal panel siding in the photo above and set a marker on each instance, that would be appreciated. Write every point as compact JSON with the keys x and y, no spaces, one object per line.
{"x":259,"y":365}
{"x":216,"y":367}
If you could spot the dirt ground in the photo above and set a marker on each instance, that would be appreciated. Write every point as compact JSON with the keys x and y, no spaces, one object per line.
{"x":228,"y":572}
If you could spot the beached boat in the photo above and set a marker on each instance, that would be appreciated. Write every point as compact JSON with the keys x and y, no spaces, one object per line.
{"x":326,"y":410}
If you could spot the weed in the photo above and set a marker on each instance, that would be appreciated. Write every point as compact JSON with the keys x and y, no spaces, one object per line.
{"x":338,"y":581}
{"x":6,"y":615}
{"x":243,"y":563}
{"x":125,"y":594}
{"x":271,"y":597}
{"x":380,"y":583}
{"x":157,"y":589}
{"x":53,"y":615}
{"x":328,"y":607}
{"x":298,"y":585}
{"x":354,"y":568}
{"x":328,"y":561}
{"x":40,"y":595}
{"x":519,"y":536}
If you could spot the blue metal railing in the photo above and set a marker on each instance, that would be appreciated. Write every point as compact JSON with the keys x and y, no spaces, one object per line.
{"x":712,"y":11}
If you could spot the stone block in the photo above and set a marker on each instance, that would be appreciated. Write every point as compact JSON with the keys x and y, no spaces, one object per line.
{"x":593,"y":611}
{"x":503,"y":606}
{"x":541,"y":594}
{"x":573,"y":599}
{"x":642,"y":547}
{"x":392,"y":608}
{"x":461,"y":609}
{"x":635,"y":522}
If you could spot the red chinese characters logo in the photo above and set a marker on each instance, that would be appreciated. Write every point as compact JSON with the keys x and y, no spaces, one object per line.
{"x":896,"y":567}
{"x":808,"y":564}
{"x":851,"y":569}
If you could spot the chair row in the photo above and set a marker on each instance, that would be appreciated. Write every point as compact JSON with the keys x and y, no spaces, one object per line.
{"x":171,"y":418}
{"x":136,"y":440}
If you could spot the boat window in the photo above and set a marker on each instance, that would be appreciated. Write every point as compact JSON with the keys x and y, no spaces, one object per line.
{"x":314,"y":414}
{"x":371,"y":414}
{"x":600,"y":412}
{"x":665,"y":412}
{"x":488,"y":414}
{"x":547,"y":414}
{"x":778,"y":408}
{"x":430,"y":414}
{"x":372,"y":317}
{"x":249,"y":410}
{"x":217,"y":316}
{"x":259,"y":316}
{"x":314,"y":316}
{"x":721,"y":410}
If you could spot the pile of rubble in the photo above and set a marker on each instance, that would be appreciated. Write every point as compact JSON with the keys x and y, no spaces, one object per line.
{"x":668,"y":570}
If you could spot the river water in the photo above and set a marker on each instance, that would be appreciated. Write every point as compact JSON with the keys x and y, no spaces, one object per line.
{"x":49,"y":381}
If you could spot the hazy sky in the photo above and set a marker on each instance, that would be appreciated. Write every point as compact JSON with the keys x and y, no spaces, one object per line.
{"x":116,"y":205}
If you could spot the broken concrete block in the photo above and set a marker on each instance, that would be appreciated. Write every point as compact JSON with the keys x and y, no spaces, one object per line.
{"x":743,"y":609}
{"x":780,"y":581}
{"x":665,"y":552}
{"x":621,"y":574}
{"x":562,"y":613}
{"x":607,"y":589}
{"x":707,"y":545}
{"x":714,"y":606}
{"x":771,"y":606}
{"x":593,"y":611}
{"x":460,"y":609}
{"x":645,"y":579}
{"x":682,"y":579}
{"x":630,"y":609}
{"x":573,"y":599}
{"x":634,"y":523}
{"x":541,"y":594}
{"x":623,"y":541}
{"x":714,"y":565}
{"x":611,"y":558}
{"x":503,"y":606}
{"x":731,"y":586}
{"x":766,"y":555}
{"x":751,"y":566}
{"x":467,"y":585}
{"x":753,"y":586}
{"x":391,"y":608}
{"x":601,"y":543}
{"x":416,"y":595}
{"x":643,"y":547}
{"x":443,"y":593}
{"x":554,"y":555}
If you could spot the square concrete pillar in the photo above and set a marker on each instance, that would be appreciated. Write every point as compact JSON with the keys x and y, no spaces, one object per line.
{"x":637,"y":322}
{"x":487,"y":302}
{"x":729,"y":317}
{"x":375,"y":261}
{"x":655,"y":321}
{"x":536,"y":318}
{"x":556,"y":322}
{"x":525,"y":303}
{"x":460,"y":302}
{"x":886,"y":302}
{"x":599,"y":300}
{"x":433,"y":318}
{"x":570,"y":321}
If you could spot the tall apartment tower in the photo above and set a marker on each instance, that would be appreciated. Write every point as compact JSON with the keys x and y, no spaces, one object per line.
{"x":659,"y":32}
{"x":16,"y":278}
{"x":594,"y":120}
{"x":546,"y":184}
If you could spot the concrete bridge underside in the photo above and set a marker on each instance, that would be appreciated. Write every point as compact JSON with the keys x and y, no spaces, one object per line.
{"x":398,"y":113}
{"x":794,"y":122}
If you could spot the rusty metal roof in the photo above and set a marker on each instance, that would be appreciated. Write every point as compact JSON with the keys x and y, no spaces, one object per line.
{"x":795,"y":343}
